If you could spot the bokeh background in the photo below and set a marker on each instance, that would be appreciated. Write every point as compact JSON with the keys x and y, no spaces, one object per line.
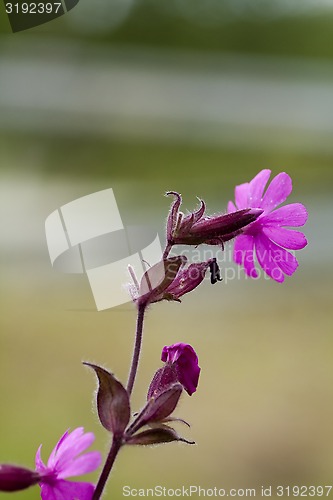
{"x":195,"y":96}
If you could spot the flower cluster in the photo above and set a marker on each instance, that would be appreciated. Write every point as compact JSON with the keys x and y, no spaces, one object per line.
{"x":257,"y":225}
{"x":260,"y":228}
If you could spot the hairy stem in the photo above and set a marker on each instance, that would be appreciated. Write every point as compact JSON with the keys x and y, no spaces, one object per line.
{"x":167,"y":250}
{"x":137,"y":349}
{"x":115,"y":447}
{"x":117,"y":440}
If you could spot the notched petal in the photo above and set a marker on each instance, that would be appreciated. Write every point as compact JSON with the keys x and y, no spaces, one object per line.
{"x":277,"y":192}
{"x":294,"y":214}
{"x":257,"y":187}
{"x":287,"y":238}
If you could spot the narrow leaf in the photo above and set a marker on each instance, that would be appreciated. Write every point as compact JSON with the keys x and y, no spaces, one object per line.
{"x":174,"y":419}
{"x":156,"y":435}
{"x":112,"y":401}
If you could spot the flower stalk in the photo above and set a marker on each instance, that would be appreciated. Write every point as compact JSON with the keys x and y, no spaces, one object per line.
{"x":137,"y":349}
{"x":115,"y":447}
{"x":259,"y":225}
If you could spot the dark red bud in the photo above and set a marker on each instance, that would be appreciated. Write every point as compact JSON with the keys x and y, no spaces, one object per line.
{"x":13,"y":478}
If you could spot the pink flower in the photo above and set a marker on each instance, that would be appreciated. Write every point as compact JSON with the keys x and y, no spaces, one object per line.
{"x":268,"y":236}
{"x":181,"y":365}
{"x":65,"y":462}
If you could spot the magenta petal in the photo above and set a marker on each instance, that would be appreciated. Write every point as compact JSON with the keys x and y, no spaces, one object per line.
{"x":76,"y":442}
{"x":188,"y":370}
{"x":244,"y":254}
{"x":265,"y":258}
{"x":67,"y":490}
{"x":48,"y":493}
{"x":189,"y":379}
{"x":64,"y":458}
{"x":294,"y":214}
{"x":241,"y":195}
{"x":287,"y":238}
{"x":82,"y":465}
{"x":285,"y":260}
{"x":239,"y":248}
{"x":40,"y":466}
{"x":277,"y":192}
{"x":231,"y":207}
{"x":249,"y":267}
{"x":52,"y":458}
{"x":185,"y":361}
{"x":172,"y":353}
{"x":257,"y":186}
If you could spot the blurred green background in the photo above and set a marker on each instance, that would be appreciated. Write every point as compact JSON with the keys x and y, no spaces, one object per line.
{"x":195,"y":96}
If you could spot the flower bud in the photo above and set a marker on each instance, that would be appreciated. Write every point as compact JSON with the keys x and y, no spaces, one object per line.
{"x":170,"y":279}
{"x":195,"y":228}
{"x":13,"y":478}
{"x":181,"y":366}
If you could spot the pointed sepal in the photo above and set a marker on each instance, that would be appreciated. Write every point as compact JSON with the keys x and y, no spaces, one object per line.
{"x":157,"y":279}
{"x":156,"y":435}
{"x":112,"y":401}
{"x":157,"y":409}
